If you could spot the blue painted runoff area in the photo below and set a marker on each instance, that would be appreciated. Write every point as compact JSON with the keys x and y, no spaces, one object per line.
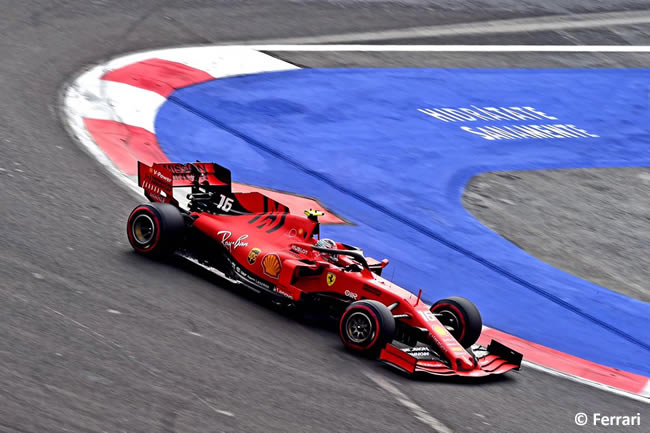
{"x":392,"y":149}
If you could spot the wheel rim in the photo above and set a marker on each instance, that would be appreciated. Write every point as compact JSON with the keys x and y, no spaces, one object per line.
{"x":358,"y":328}
{"x":143,"y":229}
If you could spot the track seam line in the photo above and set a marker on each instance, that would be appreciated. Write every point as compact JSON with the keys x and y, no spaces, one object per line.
{"x":502,"y":26}
{"x":453,"y":48}
{"x":413,"y":224}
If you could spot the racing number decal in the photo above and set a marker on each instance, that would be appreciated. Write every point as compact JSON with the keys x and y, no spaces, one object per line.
{"x":225,"y":203}
{"x":428,"y":316}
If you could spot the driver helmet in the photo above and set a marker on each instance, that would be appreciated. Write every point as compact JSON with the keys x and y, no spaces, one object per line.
{"x":329,"y":244}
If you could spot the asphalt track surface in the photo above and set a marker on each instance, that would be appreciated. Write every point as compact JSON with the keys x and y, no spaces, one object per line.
{"x":96,"y":338}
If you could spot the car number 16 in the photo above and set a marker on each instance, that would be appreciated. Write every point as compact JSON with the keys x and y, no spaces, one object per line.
{"x":225,"y":203}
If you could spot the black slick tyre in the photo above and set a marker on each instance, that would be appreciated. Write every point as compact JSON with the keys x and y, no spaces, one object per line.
{"x":155,"y":228}
{"x":366,"y":327}
{"x":461,"y":317}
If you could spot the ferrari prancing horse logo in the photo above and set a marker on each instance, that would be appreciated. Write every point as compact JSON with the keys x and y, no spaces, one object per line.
{"x":331,"y":278}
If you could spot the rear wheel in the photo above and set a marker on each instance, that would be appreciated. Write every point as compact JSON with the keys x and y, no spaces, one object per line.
{"x":366,"y":327}
{"x":461,"y":317}
{"x":155,"y":228}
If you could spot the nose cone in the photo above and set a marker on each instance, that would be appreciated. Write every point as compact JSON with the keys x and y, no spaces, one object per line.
{"x":465,"y":363}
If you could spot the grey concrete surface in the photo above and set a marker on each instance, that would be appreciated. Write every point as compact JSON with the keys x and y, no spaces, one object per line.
{"x":94,"y":338}
{"x":593,"y":223}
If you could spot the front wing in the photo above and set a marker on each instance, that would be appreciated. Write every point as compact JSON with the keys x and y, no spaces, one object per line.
{"x":493,"y":359}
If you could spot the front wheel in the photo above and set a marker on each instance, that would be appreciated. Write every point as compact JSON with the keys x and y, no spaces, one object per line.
{"x":367,"y":326}
{"x":461,"y":317}
{"x":155,"y":228}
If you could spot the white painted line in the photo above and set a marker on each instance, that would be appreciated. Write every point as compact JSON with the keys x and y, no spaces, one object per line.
{"x":460,"y":48}
{"x":516,"y":25}
{"x":644,"y":397}
{"x":403,"y":399}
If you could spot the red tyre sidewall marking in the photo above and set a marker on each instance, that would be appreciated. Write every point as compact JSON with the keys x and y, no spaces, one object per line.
{"x":343,"y":334}
{"x":129,"y":232}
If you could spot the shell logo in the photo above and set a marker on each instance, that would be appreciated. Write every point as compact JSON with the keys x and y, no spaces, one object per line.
{"x":271,"y":265}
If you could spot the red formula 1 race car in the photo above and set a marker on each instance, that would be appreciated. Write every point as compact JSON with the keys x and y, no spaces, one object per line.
{"x":253,"y":241}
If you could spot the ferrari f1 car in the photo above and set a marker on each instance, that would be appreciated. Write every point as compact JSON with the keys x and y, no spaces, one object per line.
{"x":254,"y":241}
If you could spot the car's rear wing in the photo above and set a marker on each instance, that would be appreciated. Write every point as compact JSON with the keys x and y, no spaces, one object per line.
{"x":157,"y":182}
{"x":162,"y":177}
{"x":211,"y":188}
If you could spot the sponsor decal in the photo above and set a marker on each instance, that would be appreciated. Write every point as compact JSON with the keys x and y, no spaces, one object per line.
{"x":457,"y":349}
{"x":232,"y":245}
{"x":299,"y":250}
{"x":331,"y":279}
{"x":432,"y":364}
{"x":441,"y":330}
{"x":158,"y":197}
{"x":282,"y":292}
{"x":419,"y":352}
{"x":351,"y":294}
{"x":186,"y":172}
{"x":252,"y":255}
{"x":271,"y":265}
{"x":162,"y":176}
{"x":440,"y":345}
{"x":158,"y":184}
{"x":246,"y":277}
{"x":419,"y":349}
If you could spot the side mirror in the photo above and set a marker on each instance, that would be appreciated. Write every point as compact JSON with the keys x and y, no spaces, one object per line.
{"x":384,"y":263}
